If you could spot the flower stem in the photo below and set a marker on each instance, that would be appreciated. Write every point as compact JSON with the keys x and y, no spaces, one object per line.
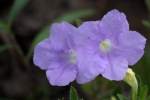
{"x":133,"y":94}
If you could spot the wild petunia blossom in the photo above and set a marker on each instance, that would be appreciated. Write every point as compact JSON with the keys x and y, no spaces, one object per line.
{"x":60,"y":56}
{"x":110,"y":42}
{"x":56,"y":55}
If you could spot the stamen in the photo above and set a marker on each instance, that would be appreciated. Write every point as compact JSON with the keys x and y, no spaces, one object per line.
{"x":105,"y":45}
{"x":72,"y":57}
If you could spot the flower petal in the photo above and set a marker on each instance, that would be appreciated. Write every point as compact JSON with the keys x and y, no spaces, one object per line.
{"x":132,"y":39}
{"x":89,"y":67}
{"x":42,"y":55}
{"x":132,"y":46}
{"x":133,"y":55}
{"x":62,"y":75}
{"x":60,"y":35}
{"x":88,"y":32}
{"x":116,"y":69}
{"x":114,"y":22}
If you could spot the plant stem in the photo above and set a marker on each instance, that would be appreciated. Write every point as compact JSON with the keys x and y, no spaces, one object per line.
{"x":15,"y":50}
{"x":134,"y":94}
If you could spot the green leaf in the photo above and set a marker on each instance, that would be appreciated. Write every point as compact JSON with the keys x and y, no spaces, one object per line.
{"x":40,"y":36}
{"x":146,"y":23}
{"x":16,"y":9}
{"x":148,"y":4}
{"x":3,"y":26}
{"x":75,"y":15}
{"x":143,"y":93}
{"x":121,"y":97}
{"x":73,"y":94}
{"x":4,"y":48}
{"x":113,"y":98}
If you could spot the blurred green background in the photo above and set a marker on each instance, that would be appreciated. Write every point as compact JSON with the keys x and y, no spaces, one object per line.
{"x":23,"y":23}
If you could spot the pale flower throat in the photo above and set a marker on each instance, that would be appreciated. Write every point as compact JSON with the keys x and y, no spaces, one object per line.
{"x":105,"y":45}
{"x":72,"y":57}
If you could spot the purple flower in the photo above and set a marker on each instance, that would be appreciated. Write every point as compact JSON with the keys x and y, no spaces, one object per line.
{"x":103,"y":47}
{"x":61,"y":57}
{"x":56,"y":55}
{"x":111,"y":43}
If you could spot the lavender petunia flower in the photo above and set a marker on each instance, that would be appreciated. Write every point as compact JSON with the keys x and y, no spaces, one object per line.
{"x":111,"y":43}
{"x":56,"y":55}
{"x":104,"y":47}
{"x":61,"y":57}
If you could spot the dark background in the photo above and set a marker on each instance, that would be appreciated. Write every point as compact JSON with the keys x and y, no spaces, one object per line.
{"x":21,"y":80}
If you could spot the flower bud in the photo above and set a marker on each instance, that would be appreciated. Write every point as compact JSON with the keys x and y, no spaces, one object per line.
{"x":130,"y":79}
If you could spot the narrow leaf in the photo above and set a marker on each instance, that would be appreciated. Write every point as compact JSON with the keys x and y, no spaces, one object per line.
{"x":75,"y":15}
{"x":3,"y":26}
{"x":4,"y":48}
{"x":40,"y":36}
{"x":73,"y":94}
{"x":16,"y":9}
{"x":148,"y":4}
{"x":121,"y":97}
{"x":143,"y":94}
{"x":146,"y":23}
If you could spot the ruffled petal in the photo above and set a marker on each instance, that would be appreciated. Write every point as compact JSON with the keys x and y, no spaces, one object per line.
{"x":88,"y":32}
{"x":132,"y":46}
{"x":43,"y":56}
{"x":114,"y":23}
{"x":116,"y":69}
{"x":89,"y":67}
{"x":133,"y":55}
{"x":62,"y":35}
{"x":62,"y":75}
{"x":132,"y":39}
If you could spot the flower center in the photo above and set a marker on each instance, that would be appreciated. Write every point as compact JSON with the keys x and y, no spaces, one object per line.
{"x":72,"y":57}
{"x":105,"y":45}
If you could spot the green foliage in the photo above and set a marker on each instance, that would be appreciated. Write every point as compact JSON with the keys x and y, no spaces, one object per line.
{"x":40,"y":36}
{"x":146,"y":23}
{"x":142,"y":68}
{"x":101,"y":89}
{"x":148,"y":4}
{"x":75,"y":15}
{"x":143,"y":92}
{"x":113,"y":98}
{"x":121,"y":97}
{"x":73,"y":94}
{"x":3,"y":26}
{"x":16,"y":9}
{"x":4,"y":48}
